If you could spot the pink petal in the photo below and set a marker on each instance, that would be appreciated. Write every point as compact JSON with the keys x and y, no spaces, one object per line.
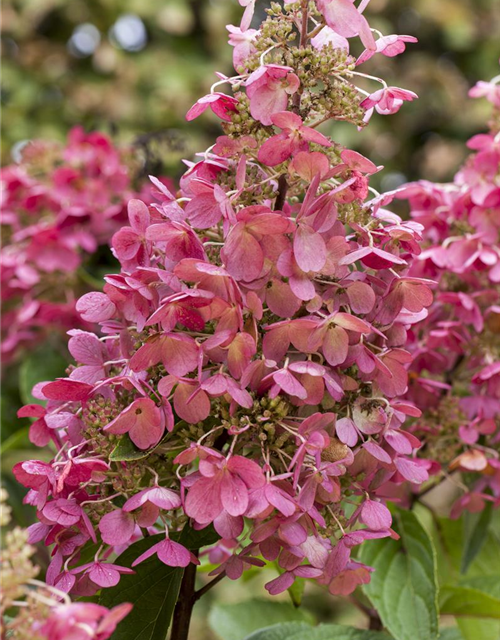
{"x":346,"y":431}
{"x":280,"y":299}
{"x":242,"y":254}
{"x":180,"y":354}
{"x":377,"y":452}
{"x":411,"y":470}
{"x":203,"y":502}
{"x":275,"y":150}
{"x":86,"y":348}
{"x":117,"y":527}
{"x":308,"y":165}
{"x":309,"y":249}
{"x":173,"y":554}
{"x":104,"y":576}
{"x":335,"y":345}
{"x":280,"y":584}
{"x":375,"y":515}
{"x":289,"y":384}
{"x":95,"y":307}
{"x":234,"y":495}
{"x":66,"y":389}
{"x":191,"y":407}
{"x":361,"y":297}
{"x":138,"y":215}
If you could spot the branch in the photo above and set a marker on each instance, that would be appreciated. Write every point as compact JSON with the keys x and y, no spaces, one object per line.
{"x":282,"y":189}
{"x":184,"y":606}
{"x":305,"y":18}
{"x":208,"y":586}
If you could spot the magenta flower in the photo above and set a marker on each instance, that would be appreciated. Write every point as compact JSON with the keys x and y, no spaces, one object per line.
{"x":387,"y":100}
{"x":329,"y":36}
{"x":142,"y":420}
{"x":269,"y":88}
{"x":169,"y":552}
{"x":130,"y":242}
{"x":224,"y":485}
{"x":294,"y":138}
{"x":257,"y":343}
{"x":117,"y":527}
{"x":345,"y":19}
{"x":243,"y":42}
{"x":221,"y":104}
{"x":389,"y":46}
{"x":178,"y":353}
{"x":68,"y":620}
{"x":103,"y":574}
{"x":488,"y":90}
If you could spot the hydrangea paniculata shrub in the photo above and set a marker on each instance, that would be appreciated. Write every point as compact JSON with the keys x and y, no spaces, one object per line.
{"x":252,"y":366}
{"x":455,"y":372}
{"x":59,"y":204}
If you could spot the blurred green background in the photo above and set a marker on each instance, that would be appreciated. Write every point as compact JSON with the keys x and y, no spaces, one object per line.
{"x":132,"y":68}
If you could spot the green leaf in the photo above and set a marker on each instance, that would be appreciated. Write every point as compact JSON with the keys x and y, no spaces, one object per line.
{"x":479,"y":628}
{"x":464,"y":601}
{"x":403,"y":588}
{"x":489,"y":584}
{"x":486,"y":562}
{"x":126,"y":450}
{"x":46,"y":362}
{"x":153,"y":589}
{"x":475,"y":597}
{"x":236,"y":621}
{"x":302,"y":631}
{"x":475,"y":533}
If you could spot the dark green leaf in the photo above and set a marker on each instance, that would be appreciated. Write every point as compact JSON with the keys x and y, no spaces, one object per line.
{"x":475,"y":533}
{"x":302,"y":631}
{"x":153,"y":589}
{"x":236,"y":621}
{"x":403,"y":588}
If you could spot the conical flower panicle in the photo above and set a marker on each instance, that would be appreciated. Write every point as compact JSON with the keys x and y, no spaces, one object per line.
{"x":252,"y":362}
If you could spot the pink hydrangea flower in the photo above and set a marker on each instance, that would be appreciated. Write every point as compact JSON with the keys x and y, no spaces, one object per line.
{"x":255,"y":347}
{"x":268,"y":89}
{"x":387,"y":100}
{"x":221,"y":104}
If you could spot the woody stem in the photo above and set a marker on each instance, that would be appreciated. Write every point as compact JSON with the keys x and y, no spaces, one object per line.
{"x":282,"y":189}
{"x":184,"y":606}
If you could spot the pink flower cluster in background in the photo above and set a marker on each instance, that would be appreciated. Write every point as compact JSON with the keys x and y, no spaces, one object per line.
{"x":455,"y":372}
{"x":252,"y":364}
{"x":58,"y":205}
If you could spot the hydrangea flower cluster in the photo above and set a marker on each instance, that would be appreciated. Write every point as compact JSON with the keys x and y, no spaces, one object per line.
{"x":44,"y":613}
{"x":455,"y":373}
{"x":58,"y":205}
{"x":252,"y":365}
